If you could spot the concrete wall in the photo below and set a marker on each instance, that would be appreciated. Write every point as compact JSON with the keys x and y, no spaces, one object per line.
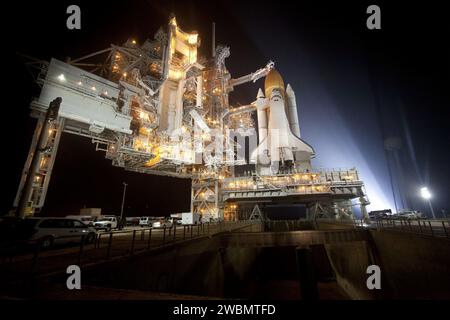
{"x":193,"y":268}
{"x":210,"y":267}
{"x":333,"y":226}
{"x":199,"y":267}
{"x":202,"y":268}
{"x":416,"y":267}
{"x":412,"y":266}
{"x":349,"y":262}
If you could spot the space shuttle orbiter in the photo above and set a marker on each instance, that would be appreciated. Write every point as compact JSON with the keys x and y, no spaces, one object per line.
{"x":280,"y":145}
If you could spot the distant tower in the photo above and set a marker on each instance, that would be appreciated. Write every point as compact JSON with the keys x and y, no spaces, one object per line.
{"x":392,"y":146}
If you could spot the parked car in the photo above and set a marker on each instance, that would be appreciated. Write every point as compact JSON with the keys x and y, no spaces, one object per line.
{"x":421,"y":215}
{"x":106,"y":223}
{"x":89,"y":220}
{"x":380,"y":214}
{"x":146,"y":221}
{"x":406,"y":216}
{"x":51,"y":231}
{"x":411,"y":214}
{"x":176,"y":220}
{"x":161,"y":223}
{"x":132,"y":221}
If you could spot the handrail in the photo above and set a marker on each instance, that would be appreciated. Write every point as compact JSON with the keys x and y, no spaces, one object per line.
{"x":431,"y":227}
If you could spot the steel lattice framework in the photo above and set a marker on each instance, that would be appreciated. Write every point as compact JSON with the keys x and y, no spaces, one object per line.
{"x":159,"y":108}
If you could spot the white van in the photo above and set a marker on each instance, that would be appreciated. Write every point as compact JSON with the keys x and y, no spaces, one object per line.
{"x":145,"y":221}
{"x":50,"y":231}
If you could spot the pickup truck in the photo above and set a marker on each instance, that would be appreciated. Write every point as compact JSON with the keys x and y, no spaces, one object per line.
{"x":106,"y":223}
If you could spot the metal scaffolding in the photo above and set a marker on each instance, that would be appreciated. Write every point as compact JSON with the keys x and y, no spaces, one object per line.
{"x":157,"y":107}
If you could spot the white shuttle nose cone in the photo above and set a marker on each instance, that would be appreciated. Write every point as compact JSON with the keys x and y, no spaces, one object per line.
{"x":260,"y":94}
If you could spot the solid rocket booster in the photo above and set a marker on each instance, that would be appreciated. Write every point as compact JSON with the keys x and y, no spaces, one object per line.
{"x":262,"y":118}
{"x":292,"y":111}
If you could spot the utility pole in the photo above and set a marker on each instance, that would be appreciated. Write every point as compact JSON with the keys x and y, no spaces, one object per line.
{"x":426,"y":194}
{"x":123,"y":200}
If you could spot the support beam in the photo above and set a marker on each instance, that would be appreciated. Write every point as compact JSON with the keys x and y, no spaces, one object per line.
{"x":205,"y":198}
{"x":38,"y":167}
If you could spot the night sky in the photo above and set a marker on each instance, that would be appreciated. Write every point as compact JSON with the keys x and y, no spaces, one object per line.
{"x":355,"y":88}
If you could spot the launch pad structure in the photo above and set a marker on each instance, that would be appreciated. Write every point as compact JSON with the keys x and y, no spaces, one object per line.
{"x":160,"y":108}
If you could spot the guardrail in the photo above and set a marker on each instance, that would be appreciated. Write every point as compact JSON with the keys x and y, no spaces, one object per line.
{"x":146,"y":238}
{"x":288,"y":225}
{"x":438,"y":228}
{"x":431,"y":227}
{"x":109,"y":245}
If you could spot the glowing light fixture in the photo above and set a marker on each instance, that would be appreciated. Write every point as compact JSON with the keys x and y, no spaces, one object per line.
{"x":192,"y":38}
{"x":425,"y":193}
